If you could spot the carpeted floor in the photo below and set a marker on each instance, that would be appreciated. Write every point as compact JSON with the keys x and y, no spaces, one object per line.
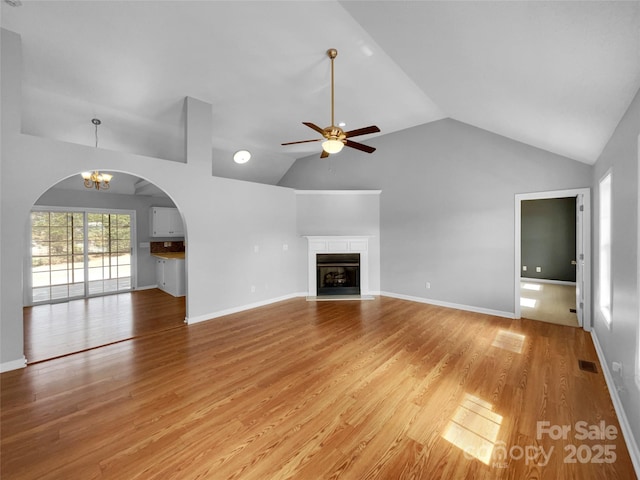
{"x":548,"y":302}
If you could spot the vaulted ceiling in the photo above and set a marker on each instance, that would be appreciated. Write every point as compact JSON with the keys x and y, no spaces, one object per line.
{"x":555,"y":75}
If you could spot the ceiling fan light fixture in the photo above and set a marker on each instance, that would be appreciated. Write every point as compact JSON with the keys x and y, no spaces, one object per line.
{"x":332,"y":145}
{"x":241,"y":156}
{"x":335,"y":138}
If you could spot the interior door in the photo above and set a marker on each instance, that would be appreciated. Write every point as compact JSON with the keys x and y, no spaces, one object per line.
{"x":580,"y":259}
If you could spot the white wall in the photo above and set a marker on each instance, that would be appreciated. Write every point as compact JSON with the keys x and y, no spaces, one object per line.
{"x":620,"y":342}
{"x":232,"y":219}
{"x":447,"y":206}
{"x":343,"y":213}
{"x":225,"y":219}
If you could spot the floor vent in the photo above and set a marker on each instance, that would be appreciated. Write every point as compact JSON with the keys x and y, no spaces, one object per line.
{"x":587,"y":366}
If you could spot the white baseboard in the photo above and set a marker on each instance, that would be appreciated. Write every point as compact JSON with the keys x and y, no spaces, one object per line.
{"x":457,"y":306}
{"x":241,"y":308}
{"x":146,"y":287}
{"x":13,"y":365}
{"x":627,"y":433}
{"x":544,"y":280}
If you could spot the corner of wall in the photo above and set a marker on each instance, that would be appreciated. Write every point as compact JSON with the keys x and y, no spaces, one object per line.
{"x":11,"y":349}
{"x":11,"y":94}
{"x":198,"y":127}
{"x":13,"y":365}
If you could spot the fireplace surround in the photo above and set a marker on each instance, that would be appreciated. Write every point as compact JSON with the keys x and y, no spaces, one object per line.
{"x":338,"y":266}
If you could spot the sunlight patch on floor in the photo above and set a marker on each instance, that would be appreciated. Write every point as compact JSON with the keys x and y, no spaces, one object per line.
{"x":474,"y":428}
{"x":510,"y":341}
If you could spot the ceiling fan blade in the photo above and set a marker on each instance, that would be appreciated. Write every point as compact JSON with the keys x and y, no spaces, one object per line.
{"x":359,"y":146}
{"x":324,"y":154}
{"x":362,"y":131}
{"x":314,"y":127}
{"x":302,"y":141}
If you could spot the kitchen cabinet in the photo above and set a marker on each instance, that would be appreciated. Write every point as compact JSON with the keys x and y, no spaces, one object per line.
{"x":170,"y":276}
{"x":165,"y":222}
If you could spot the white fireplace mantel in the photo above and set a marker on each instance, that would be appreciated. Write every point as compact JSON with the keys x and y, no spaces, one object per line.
{"x":338,"y":244}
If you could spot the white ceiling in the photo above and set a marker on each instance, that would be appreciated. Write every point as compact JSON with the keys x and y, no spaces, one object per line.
{"x":555,"y":75}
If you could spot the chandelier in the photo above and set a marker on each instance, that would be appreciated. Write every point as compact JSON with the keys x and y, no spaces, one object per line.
{"x":96,"y":179}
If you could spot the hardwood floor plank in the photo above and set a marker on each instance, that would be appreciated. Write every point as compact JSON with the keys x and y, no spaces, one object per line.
{"x":59,"y":329}
{"x":344,"y":390}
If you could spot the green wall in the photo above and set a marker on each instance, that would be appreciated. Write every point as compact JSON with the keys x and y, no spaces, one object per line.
{"x":549,"y":238}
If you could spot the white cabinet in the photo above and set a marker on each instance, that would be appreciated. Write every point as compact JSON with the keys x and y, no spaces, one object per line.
{"x":165,"y":222}
{"x":170,"y":276}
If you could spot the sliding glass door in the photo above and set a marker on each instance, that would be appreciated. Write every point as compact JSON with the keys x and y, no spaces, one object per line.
{"x":109,"y":252}
{"x":75,"y":254}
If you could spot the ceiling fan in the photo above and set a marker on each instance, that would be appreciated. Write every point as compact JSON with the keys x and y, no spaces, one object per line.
{"x":334,"y":137}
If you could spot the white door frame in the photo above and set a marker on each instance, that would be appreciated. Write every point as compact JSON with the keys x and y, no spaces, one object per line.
{"x":586,"y":237}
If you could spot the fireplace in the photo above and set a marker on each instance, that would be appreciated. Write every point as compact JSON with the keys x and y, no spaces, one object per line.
{"x":338,"y":274}
{"x":338,"y":267}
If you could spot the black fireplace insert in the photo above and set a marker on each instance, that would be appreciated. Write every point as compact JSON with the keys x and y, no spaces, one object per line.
{"x":338,"y":273}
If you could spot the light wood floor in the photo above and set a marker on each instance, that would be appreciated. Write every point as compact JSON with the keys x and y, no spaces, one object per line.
{"x":59,"y":329}
{"x":548,"y":302}
{"x":385,"y":389}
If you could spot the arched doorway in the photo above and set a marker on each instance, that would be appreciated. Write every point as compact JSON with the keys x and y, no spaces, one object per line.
{"x":90,"y":272}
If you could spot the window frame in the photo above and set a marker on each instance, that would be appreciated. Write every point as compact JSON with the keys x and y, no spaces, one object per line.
{"x":605,"y":264}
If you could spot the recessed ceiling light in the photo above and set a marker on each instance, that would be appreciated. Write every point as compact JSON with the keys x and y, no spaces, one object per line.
{"x":241,"y":156}
{"x":342,"y":124}
{"x":366,"y":50}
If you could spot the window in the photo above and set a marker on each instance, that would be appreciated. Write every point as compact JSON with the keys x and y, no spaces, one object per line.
{"x":604,"y":245}
{"x":79,"y":253}
{"x":57,"y":249}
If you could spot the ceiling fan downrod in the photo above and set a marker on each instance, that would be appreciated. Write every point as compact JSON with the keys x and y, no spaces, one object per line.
{"x":332,"y":53}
